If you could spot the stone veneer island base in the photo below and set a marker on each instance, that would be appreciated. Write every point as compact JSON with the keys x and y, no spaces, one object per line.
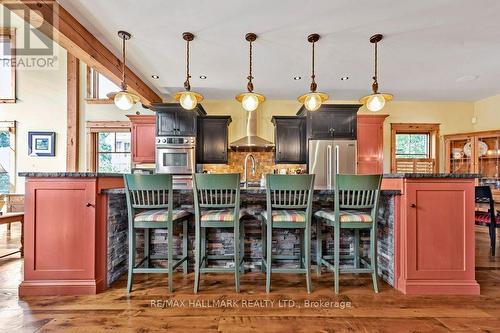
{"x":76,"y":233}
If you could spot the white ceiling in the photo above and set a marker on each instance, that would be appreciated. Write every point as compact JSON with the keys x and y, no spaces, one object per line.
{"x":431,"y":49}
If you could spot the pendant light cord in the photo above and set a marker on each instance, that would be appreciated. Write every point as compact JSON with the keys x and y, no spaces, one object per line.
{"x":250,"y":77}
{"x":313,"y":76}
{"x":375,"y":81}
{"x":187,"y":85}
{"x":124,"y":84}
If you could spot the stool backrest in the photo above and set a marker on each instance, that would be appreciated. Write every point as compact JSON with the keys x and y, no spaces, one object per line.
{"x":216,"y":190}
{"x":289,"y":191}
{"x":357,"y":192}
{"x":148,"y":191}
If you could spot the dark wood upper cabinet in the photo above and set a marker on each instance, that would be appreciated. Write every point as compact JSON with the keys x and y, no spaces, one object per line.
{"x":173,"y":120}
{"x":290,"y":139}
{"x":338,"y":121}
{"x":212,"y":139}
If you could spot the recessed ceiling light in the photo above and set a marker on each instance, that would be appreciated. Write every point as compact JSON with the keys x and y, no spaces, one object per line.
{"x":155,"y":77}
{"x":467,"y":78}
{"x":344,"y":78}
{"x":203,"y":77}
{"x":296,"y":78}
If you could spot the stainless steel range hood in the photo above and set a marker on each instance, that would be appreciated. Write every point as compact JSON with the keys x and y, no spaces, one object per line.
{"x":251,"y":140}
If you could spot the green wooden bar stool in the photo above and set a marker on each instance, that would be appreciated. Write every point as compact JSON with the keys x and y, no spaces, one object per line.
{"x":289,"y":205}
{"x":150,"y":206}
{"x":217,"y":205}
{"x":355,"y":207}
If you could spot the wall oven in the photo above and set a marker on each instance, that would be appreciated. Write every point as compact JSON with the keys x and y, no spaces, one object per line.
{"x":175,"y":155}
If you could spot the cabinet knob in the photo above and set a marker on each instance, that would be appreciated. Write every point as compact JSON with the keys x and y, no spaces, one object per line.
{"x":89,"y":204}
{"x":413,"y":206}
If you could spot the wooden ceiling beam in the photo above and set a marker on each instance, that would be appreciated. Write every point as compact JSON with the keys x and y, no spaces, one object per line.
{"x":64,"y":29}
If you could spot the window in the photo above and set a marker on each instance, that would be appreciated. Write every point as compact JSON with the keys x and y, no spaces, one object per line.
{"x":113,"y":150}
{"x":7,"y":157}
{"x":414,"y":148}
{"x":412,"y":145}
{"x":108,"y":146}
{"x":7,"y":65}
{"x":98,"y":86}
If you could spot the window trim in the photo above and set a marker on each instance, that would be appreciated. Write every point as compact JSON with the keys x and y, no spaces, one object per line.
{"x":10,"y":126}
{"x":410,"y":128}
{"x":11,"y":34}
{"x":93,"y":129}
{"x":91,"y":93}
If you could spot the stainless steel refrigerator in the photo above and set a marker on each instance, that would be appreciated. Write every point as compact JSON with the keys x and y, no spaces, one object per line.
{"x":329,"y":157}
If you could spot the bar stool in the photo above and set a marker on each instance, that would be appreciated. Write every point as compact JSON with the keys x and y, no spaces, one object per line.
{"x":217,"y":205}
{"x":150,"y":206}
{"x":289,"y":205}
{"x":355,"y":207}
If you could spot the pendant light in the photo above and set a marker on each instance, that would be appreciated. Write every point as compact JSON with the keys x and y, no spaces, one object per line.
{"x":123,"y":99}
{"x":376,"y":101}
{"x":249,"y":100}
{"x":313,"y":100}
{"x":188,"y":99}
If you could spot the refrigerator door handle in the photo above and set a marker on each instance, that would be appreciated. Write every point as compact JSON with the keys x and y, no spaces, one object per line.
{"x":337,"y":159}
{"x":329,"y":166}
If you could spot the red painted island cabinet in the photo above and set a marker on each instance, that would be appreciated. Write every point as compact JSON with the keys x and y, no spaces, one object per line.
{"x":370,"y":135}
{"x":435,"y":237}
{"x":143,"y":129}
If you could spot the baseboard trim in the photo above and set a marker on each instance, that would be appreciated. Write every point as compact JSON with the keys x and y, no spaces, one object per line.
{"x":58,"y":287}
{"x":440,"y":287}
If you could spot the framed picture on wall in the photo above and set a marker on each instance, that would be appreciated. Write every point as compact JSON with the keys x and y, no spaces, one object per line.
{"x":41,"y":143}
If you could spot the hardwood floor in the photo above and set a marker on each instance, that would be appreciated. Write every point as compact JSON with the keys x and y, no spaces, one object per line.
{"x":149,"y":308}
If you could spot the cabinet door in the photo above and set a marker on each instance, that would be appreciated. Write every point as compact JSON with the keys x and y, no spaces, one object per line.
{"x":440,"y":230}
{"x":186,"y":123}
{"x":370,"y":144}
{"x":212,"y":144}
{"x":320,"y":125}
{"x":290,"y":138}
{"x":167,"y":123}
{"x":344,"y":124}
{"x":143,"y":142}
{"x":60,"y":242}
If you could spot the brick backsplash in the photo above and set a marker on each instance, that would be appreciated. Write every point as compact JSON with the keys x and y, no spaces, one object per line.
{"x":265,"y":164}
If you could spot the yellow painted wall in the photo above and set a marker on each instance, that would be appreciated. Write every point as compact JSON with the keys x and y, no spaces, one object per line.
{"x":487,"y":114}
{"x":41,"y":106}
{"x":453,"y":116}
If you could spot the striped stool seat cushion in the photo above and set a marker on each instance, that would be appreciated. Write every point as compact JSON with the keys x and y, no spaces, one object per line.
{"x":217,"y":215}
{"x":345,"y":215}
{"x":159,"y":215}
{"x":288,"y":215}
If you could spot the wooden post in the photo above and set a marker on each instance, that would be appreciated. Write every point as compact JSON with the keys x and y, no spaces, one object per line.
{"x":73,"y":113}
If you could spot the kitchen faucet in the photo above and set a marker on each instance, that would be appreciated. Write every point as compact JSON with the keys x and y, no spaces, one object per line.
{"x":249,"y":156}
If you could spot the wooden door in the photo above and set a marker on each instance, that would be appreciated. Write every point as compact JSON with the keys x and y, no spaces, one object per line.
{"x":212,"y":140}
{"x":60,"y":229}
{"x":370,"y":144}
{"x":290,"y":140}
{"x":186,"y":123}
{"x":440,"y":230}
{"x":167,"y":123}
{"x":143,"y":139}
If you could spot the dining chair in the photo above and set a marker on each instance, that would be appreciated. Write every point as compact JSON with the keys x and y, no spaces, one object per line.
{"x":355,"y":207}
{"x":289,"y":205}
{"x":150,"y":206}
{"x":217,"y":205}
{"x":485,"y":196}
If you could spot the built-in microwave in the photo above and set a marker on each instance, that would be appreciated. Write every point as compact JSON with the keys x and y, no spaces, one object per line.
{"x":175,"y":155}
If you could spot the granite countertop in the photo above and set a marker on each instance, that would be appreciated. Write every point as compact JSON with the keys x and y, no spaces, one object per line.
{"x":119,"y":175}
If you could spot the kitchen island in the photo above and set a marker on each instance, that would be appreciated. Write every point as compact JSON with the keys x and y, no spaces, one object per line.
{"x":76,"y":232}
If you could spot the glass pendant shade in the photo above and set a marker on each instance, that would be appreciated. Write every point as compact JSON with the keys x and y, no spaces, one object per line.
{"x":188,"y":100}
{"x":375,"y":102}
{"x":250,"y":101}
{"x":125,"y":100}
{"x":313,"y":100}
